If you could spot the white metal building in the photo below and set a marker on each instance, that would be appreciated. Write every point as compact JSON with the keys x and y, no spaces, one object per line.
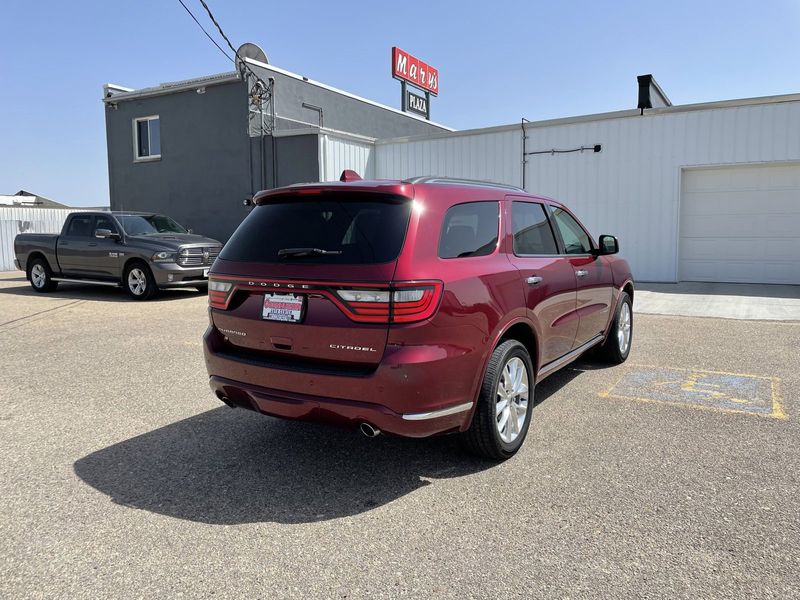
{"x":702,"y":192}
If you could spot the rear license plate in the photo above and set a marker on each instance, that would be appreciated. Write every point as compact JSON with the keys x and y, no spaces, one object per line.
{"x":283,"y":307}
{"x":205,"y":273}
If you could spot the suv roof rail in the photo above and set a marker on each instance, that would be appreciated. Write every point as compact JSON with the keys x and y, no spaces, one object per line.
{"x":459,"y":181}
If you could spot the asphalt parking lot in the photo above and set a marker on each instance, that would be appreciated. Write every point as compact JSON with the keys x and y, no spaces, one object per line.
{"x":674,"y":475}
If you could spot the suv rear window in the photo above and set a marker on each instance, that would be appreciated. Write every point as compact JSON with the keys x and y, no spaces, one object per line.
{"x":332,"y":228}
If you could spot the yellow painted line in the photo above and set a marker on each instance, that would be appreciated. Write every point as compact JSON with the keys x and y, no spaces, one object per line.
{"x":616,"y":383}
{"x":705,"y":371}
{"x":777,"y":409}
{"x":697,"y":406}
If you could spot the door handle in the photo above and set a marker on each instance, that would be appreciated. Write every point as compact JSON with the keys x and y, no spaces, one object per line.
{"x":534,"y":280}
{"x":93,"y":243}
{"x":581,"y":273}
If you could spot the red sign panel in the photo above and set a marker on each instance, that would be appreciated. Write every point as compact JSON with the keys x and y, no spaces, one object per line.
{"x":414,"y":71}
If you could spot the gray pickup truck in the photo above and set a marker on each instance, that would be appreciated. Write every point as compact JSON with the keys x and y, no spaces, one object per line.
{"x":141,"y":252}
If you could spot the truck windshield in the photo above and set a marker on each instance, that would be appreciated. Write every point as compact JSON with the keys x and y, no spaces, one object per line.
{"x":149,"y":224}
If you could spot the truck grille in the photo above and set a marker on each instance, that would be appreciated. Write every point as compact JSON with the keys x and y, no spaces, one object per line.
{"x":197,"y":257}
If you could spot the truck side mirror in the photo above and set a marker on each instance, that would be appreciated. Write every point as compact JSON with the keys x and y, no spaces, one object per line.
{"x":104,"y":234}
{"x":608,"y":245}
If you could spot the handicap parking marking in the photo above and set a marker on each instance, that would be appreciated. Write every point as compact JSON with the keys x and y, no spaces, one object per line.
{"x":698,"y":388}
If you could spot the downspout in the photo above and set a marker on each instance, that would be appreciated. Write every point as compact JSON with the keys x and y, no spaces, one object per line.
{"x":273,"y":126}
{"x":524,"y":148}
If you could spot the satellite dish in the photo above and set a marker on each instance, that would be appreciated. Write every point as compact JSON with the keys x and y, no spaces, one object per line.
{"x":250,"y":50}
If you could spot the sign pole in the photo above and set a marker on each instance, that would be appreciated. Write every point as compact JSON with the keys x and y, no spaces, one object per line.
{"x":428,"y":106}
{"x":403,"y":105}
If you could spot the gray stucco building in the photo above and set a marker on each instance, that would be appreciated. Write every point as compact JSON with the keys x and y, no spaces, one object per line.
{"x":198,"y":149}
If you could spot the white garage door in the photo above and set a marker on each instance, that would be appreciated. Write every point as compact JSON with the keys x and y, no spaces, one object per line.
{"x":740,"y":224}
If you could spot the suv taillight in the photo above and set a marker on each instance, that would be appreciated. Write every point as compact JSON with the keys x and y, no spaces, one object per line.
{"x":218,"y":293}
{"x":404,"y":302}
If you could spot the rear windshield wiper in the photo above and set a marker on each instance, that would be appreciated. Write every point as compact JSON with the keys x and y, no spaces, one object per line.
{"x":290,"y":252}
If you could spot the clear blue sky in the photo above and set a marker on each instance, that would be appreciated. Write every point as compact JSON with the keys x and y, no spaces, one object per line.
{"x":497,"y":60}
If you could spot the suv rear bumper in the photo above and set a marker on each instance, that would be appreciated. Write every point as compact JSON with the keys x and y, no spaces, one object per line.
{"x":302,"y":407}
{"x":402,"y":397}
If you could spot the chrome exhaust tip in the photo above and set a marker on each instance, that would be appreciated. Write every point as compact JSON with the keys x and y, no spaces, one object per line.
{"x":369,"y":431}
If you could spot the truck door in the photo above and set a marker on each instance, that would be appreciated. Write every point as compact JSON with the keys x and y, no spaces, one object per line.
{"x":74,"y":245}
{"x":106,"y":256}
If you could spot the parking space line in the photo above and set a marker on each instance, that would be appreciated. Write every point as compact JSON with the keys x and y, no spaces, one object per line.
{"x":720,"y":391}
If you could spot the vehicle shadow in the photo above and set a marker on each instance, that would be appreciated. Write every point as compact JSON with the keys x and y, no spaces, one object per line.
{"x":78,"y":291}
{"x":233,"y":466}
{"x":230,"y":467}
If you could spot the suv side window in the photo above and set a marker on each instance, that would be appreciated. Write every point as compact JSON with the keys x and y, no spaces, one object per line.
{"x":532,"y":232}
{"x":80,"y":226}
{"x":104,"y":222}
{"x":469,"y":229}
{"x":576,"y":240}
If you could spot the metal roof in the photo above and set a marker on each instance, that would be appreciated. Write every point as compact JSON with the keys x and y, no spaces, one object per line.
{"x":114,"y":93}
{"x":620,"y":114}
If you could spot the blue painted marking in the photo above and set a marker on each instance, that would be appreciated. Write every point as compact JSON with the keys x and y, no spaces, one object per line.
{"x":732,"y":392}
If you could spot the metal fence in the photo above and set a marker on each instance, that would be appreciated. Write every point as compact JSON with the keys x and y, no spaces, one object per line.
{"x":15,"y":220}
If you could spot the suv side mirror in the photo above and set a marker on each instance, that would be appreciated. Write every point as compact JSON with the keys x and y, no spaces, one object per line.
{"x":106,"y":234}
{"x":608,"y":245}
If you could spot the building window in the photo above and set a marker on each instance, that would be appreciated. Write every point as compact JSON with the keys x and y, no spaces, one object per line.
{"x":147,"y":138}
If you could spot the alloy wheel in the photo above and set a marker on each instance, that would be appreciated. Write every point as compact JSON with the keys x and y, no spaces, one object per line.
{"x":624,"y":328}
{"x":512,"y":399}
{"x":38,"y":276}
{"x":137,"y":281}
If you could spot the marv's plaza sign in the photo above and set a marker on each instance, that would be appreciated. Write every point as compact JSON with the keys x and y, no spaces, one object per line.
{"x":411,"y":70}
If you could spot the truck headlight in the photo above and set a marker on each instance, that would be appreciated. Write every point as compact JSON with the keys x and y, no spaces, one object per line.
{"x":164,"y":257}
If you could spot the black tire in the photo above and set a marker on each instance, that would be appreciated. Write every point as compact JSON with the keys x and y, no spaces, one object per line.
{"x":141,"y":285}
{"x":41,"y":276}
{"x":612,"y":351}
{"x":483,"y":437}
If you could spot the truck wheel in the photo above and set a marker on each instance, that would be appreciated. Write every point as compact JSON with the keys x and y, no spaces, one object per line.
{"x":617,"y":347}
{"x":40,"y":276}
{"x":505,"y":404}
{"x":139,"y":281}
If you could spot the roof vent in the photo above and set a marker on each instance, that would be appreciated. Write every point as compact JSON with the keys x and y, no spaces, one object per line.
{"x":650,"y":94}
{"x":348,"y":175}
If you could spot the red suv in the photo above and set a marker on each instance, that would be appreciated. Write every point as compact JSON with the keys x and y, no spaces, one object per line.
{"x":413,"y":307}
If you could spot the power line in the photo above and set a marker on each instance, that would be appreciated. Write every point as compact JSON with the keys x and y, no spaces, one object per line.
{"x":227,"y":41}
{"x":208,"y":35}
{"x":222,"y":33}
